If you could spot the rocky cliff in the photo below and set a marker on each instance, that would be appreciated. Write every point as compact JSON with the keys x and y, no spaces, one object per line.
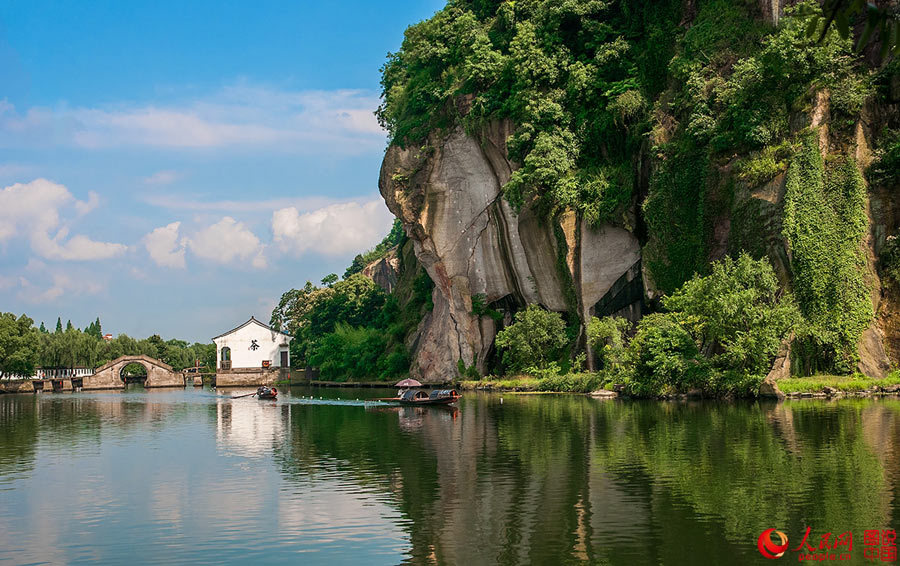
{"x":448,"y":196}
{"x":633,"y":164}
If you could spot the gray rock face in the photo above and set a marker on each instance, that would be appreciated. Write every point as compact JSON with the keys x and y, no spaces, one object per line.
{"x":384,"y":271}
{"x":873,"y":360}
{"x":448,"y":196}
{"x":771,"y":10}
{"x":769,"y":389}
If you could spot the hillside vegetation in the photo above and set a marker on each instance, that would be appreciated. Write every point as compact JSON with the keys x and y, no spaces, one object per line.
{"x":735,"y":150}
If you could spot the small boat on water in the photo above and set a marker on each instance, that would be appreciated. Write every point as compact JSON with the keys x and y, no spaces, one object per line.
{"x":437,"y":397}
{"x":266,"y":393}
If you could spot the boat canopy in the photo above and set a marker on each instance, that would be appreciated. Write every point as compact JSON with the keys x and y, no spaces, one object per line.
{"x":442,"y":393}
{"x":412,"y":395}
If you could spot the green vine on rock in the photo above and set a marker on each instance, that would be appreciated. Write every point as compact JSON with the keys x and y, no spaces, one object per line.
{"x":824,"y":224}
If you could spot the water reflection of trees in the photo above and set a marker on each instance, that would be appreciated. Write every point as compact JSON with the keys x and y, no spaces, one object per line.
{"x":75,"y":422}
{"x":18,"y":434}
{"x":539,"y":479}
{"x":570,"y":479}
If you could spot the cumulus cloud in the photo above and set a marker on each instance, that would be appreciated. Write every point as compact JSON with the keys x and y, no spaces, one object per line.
{"x":337,"y":229}
{"x":226,"y":242}
{"x":33,"y":210}
{"x":92,"y":202}
{"x":164,"y":246}
{"x":76,"y":248}
{"x":339,"y":121}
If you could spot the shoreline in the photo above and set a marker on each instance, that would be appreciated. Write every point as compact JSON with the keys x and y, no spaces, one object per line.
{"x":797,"y":388}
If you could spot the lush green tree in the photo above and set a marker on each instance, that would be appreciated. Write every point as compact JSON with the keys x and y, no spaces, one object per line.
{"x":663,"y":355}
{"x":205,"y":354}
{"x":94,"y":329}
{"x":311,"y":313}
{"x":19,"y":343}
{"x":737,"y":314}
{"x":292,"y":309}
{"x":330,"y":279}
{"x":356,"y":266}
{"x":43,"y":329}
{"x":348,"y":352}
{"x":536,"y":338}
{"x":59,"y":327}
{"x":608,"y":340}
{"x":157,"y":347}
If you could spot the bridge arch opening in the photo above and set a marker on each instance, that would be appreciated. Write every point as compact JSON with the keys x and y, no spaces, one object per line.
{"x":134,"y":372}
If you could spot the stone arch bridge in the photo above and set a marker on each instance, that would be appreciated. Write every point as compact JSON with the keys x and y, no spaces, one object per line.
{"x":108,"y":376}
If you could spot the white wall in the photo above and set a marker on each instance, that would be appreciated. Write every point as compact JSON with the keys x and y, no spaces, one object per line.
{"x":271,"y":344}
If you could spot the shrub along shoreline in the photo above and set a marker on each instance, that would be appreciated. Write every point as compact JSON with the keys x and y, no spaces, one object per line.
{"x":817,"y":386}
{"x":716,"y":336}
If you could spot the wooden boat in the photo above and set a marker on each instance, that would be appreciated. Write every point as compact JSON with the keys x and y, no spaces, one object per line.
{"x":266,"y":393}
{"x":437,"y":397}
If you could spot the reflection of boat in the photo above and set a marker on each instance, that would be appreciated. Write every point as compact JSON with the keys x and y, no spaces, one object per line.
{"x":437,"y":397}
{"x":266,"y":393}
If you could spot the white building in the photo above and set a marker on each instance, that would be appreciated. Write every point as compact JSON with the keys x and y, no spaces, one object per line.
{"x":252,"y":345}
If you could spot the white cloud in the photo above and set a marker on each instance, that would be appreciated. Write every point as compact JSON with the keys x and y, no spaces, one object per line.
{"x":339,"y":121}
{"x":228,"y":241}
{"x":165,"y":177}
{"x":93,"y":202}
{"x":62,"y":282}
{"x":337,"y":229}
{"x":164,"y":246}
{"x":77,"y":248}
{"x":33,"y":210}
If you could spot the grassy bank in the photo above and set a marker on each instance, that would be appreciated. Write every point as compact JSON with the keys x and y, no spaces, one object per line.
{"x":848,"y":384}
{"x":587,"y":382}
{"x":568,"y":383}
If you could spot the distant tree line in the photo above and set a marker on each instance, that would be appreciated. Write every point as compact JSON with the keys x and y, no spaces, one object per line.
{"x":23,"y":347}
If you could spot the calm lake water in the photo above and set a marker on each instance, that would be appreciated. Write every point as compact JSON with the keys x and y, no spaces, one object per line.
{"x":192,"y":476}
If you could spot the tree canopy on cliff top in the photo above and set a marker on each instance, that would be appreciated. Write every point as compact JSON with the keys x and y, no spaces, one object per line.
{"x":580,"y":79}
{"x":574,"y":76}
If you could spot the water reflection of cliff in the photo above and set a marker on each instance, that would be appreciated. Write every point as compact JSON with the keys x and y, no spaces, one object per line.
{"x":570,"y":479}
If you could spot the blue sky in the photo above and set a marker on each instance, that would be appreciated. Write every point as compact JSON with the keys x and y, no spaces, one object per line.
{"x":173,"y":167}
